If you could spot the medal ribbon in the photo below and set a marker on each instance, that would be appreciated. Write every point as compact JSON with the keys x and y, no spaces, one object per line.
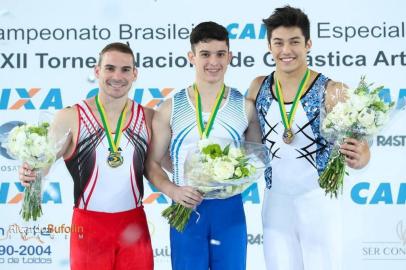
{"x":113,"y":144}
{"x":288,"y":120}
{"x":205,"y":131}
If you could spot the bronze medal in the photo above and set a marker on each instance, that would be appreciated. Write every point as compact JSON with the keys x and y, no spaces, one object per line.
{"x":115,"y":159}
{"x":287,"y":120}
{"x":288,"y":136}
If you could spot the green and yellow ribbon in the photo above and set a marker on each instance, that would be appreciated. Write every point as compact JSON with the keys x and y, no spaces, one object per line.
{"x":114,"y":144}
{"x":288,"y":119}
{"x":205,"y":131}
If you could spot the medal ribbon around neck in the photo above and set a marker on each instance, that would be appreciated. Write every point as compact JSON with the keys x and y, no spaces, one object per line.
{"x":113,"y":144}
{"x":205,"y":131}
{"x":288,"y":120}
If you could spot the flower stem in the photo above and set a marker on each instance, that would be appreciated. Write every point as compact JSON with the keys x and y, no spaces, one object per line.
{"x":31,"y":208}
{"x":177,"y":216}
{"x":332,"y":178}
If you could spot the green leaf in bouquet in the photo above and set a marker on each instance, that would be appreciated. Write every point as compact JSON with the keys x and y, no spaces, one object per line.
{"x":238,"y":172}
{"x":213,"y":150}
{"x":245,"y":171}
{"x":241,"y":171}
{"x":376,"y":90}
{"x":226,"y":150}
{"x":362,"y":88}
{"x":242,"y":161}
{"x":378,"y":106}
{"x":41,"y":130}
{"x":365,"y":89}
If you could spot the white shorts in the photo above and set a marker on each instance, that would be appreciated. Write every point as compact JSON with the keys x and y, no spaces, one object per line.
{"x":302,"y":232}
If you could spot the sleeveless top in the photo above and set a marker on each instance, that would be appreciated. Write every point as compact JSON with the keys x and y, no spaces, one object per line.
{"x":230,"y":123}
{"x":296,"y":166}
{"x":97,"y":186}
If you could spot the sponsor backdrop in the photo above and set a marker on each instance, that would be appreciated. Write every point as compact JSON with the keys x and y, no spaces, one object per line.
{"x":48,"y":49}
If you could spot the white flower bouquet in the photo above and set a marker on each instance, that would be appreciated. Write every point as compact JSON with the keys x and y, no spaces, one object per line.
{"x":360,"y":116}
{"x":218,"y":170}
{"x":34,"y":145}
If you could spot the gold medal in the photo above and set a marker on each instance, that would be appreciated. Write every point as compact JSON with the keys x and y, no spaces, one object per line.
{"x":288,"y":136}
{"x":115,"y":159}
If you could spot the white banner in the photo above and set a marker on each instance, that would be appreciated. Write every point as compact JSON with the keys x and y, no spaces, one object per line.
{"x":48,"y":49}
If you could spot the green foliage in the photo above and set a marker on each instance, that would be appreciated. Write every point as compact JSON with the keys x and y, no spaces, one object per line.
{"x":41,"y":130}
{"x":226,"y":150}
{"x":213,"y":150}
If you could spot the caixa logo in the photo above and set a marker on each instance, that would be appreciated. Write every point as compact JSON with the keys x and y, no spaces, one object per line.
{"x":250,"y":195}
{"x":12,"y":193}
{"x":23,"y":98}
{"x":246,"y":31}
{"x":43,"y":99}
{"x":155,"y":95}
{"x":383,"y":193}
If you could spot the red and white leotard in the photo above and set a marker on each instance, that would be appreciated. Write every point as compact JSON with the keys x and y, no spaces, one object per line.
{"x":97,"y":186}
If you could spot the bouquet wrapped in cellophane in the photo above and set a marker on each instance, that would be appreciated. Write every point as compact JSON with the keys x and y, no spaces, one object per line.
{"x":358,"y":113}
{"x":219,"y":169}
{"x":35,"y":145}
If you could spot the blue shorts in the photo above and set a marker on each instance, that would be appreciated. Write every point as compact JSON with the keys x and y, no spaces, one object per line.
{"x":217,"y":241}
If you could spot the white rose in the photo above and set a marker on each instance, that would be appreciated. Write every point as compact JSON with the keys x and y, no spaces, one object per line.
{"x":31,"y":147}
{"x":21,"y":137}
{"x":16,"y":140}
{"x":380,"y":118}
{"x":351,"y":115}
{"x":341,"y":116}
{"x":37,"y":144}
{"x":367,"y":118}
{"x":358,"y":102}
{"x":222,"y":170}
{"x":208,"y":167}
